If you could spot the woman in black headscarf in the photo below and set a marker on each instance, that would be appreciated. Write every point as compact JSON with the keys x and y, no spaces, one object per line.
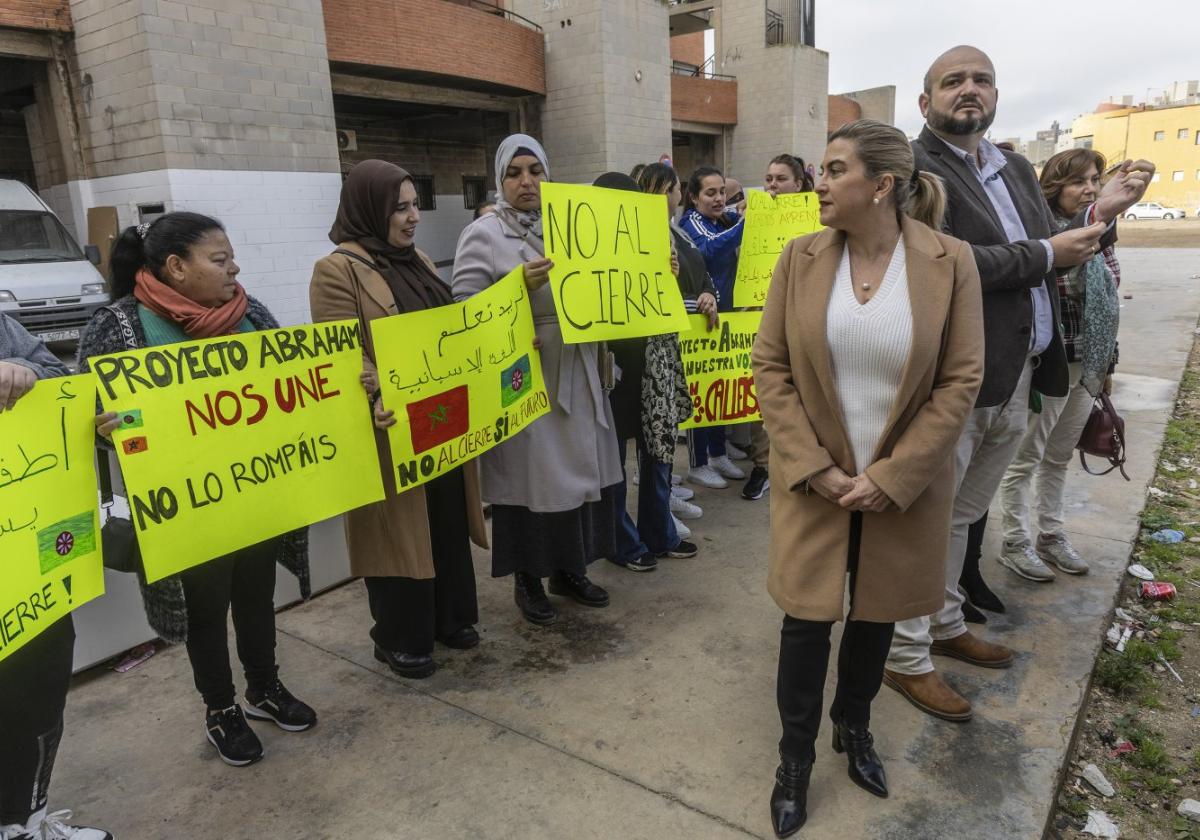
{"x":411,"y":549}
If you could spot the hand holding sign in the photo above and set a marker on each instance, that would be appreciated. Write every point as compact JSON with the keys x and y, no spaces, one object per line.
{"x":612,"y":275}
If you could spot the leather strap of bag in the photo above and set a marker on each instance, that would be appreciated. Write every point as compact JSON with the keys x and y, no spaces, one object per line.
{"x":104,"y":477}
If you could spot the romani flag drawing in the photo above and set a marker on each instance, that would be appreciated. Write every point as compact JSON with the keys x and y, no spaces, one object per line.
{"x":440,"y":418}
{"x":515,"y":382}
{"x":66,"y":540}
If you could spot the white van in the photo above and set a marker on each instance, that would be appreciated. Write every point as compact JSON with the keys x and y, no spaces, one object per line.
{"x":47,"y":282}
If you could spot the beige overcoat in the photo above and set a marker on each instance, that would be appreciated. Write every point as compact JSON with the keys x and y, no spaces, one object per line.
{"x":388,"y":538}
{"x":901,"y":567}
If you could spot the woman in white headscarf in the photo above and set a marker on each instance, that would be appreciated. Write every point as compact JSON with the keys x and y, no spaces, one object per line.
{"x":552,"y":487}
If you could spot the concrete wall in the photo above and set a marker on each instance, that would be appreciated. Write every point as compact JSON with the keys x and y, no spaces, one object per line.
{"x":877,"y":103}
{"x":598,"y":114}
{"x":782,"y":92}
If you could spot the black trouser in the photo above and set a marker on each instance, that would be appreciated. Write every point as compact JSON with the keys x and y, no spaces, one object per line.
{"x":408,"y":612}
{"x":243,"y":582}
{"x":804,"y":660}
{"x":33,"y":694}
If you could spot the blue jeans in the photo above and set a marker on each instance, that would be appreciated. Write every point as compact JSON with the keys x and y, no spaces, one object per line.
{"x":655,"y":531}
{"x":705,"y":442}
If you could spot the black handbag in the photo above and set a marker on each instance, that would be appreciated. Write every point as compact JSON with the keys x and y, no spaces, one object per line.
{"x":118,"y":536}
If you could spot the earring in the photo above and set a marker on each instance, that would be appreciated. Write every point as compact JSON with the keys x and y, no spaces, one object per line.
{"x":874,"y":200}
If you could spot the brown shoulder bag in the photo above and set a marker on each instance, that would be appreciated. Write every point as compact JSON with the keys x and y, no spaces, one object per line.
{"x":1103,"y":437}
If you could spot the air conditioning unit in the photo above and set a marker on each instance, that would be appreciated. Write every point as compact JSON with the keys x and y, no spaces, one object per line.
{"x":347,"y":141}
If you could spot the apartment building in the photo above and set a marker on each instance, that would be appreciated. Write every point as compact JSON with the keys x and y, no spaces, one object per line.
{"x":253,"y":110}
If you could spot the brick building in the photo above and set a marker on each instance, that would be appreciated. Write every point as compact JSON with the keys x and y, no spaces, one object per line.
{"x":252,"y":110}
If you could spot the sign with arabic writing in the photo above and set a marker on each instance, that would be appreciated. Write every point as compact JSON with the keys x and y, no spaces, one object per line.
{"x":230,"y":441}
{"x":461,"y":379}
{"x":771,"y":223}
{"x":612,"y":273}
{"x":717,"y":367}
{"x":50,"y":559}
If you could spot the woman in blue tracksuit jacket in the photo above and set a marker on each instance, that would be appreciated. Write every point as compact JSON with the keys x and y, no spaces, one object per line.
{"x":717,"y":235}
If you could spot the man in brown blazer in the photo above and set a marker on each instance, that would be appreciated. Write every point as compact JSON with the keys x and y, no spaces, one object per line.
{"x":996,"y":205}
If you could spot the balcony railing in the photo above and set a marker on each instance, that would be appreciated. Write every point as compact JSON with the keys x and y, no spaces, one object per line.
{"x":702,"y":71}
{"x":498,"y":10}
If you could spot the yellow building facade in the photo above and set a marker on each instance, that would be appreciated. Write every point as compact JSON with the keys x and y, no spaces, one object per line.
{"x":1169,"y":137}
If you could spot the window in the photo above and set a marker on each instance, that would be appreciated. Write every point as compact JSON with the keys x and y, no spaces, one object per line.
{"x":426,"y":199}
{"x":474,"y":191}
{"x":1157,"y":177}
{"x":1183,"y":134}
{"x":1198,"y":137}
{"x":1160,"y":135}
{"x":1198,"y":174}
{"x":1177,"y":175}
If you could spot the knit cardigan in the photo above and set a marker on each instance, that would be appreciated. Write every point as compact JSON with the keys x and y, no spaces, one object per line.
{"x":166,"y":607}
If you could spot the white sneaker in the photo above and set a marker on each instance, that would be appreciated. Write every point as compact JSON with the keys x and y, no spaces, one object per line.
{"x":676,"y":480}
{"x":682,"y":530}
{"x":43,"y":826}
{"x":1057,"y":549}
{"x":682,"y":492}
{"x":726,"y":467}
{"x":685,"y":510}
{"x":1023,"y":560}
{"x":706,"y":476}
{"x":735,"y":452}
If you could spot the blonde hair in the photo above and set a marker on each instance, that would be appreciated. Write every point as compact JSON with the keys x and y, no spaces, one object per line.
{"x":884,"y":150}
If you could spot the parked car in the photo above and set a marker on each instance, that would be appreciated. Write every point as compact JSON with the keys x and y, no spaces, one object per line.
{"x":1153,"y":210}
{"x":47,"y":282}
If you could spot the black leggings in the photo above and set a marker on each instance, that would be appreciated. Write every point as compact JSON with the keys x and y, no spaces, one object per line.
{"x":804,"y":660}
{"x":33,"y":694}
{"x":242,"y":582}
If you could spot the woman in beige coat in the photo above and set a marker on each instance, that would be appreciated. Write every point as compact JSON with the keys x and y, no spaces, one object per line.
{"x":411,"y":548}
{"x":867,"y":363}
{"x":553,"y":487}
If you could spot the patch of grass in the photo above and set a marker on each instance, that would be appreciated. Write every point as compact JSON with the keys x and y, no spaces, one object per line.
{"x":1183,"y":612}
{"x":1162,"y":785}
{"x":1159,"y":557}
{"x":1121,"y":674}
{"x":1195,"y":762}
{"x":1185,"y":829}
{"x":1157,"y":516}
{"x":1182,"y":438}
{"x":1150,"y":755}
{"x":1150,"y":699}
{"x":1074,"y":806}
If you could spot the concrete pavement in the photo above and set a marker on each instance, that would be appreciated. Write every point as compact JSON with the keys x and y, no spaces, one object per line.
{"x":654,"y":717}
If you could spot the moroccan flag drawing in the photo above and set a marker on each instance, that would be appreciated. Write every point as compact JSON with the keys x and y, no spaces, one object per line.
{"x":440,"y":418}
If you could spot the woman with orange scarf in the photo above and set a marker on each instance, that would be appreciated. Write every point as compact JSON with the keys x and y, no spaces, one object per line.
{"x":175,"y":280}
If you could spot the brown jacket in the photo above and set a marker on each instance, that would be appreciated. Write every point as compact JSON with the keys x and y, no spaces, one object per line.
{"x":389,"y":538}
{"x":902,"y":556}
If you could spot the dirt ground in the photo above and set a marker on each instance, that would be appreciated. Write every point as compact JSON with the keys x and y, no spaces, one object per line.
{"x":1177,"y":233}
{"x":1142,"y":722}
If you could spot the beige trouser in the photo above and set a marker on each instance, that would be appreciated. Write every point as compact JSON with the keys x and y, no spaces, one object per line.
{"x":984,"y":451}
{"x":760,"y":444}
{"x":1043,"y":458}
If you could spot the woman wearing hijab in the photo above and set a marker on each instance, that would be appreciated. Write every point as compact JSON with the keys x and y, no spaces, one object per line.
{"x":553,"y":487}
{"x":410,"y":549}
{"x":174,"y":280}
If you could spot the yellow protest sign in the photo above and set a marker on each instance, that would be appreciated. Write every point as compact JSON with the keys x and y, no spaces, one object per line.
{"x":226,"y":442}
{"x":461,"y":378}
{"x":612,"y":263}
{"x":50,"y":561}
{"x":717,"y":367}
{"x":771,"y":223}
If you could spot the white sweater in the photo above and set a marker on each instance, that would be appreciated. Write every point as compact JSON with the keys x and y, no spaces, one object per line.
{"x":869,"y":347}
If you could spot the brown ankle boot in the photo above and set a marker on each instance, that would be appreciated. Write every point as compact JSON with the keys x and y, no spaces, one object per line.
{"x":931,"y":695}
{"x":970,"y":648}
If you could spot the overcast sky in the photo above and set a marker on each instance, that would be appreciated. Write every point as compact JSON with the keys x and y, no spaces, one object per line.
{"x":1055,"y":59}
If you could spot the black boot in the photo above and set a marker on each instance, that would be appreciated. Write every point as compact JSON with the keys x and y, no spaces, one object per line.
{"x":865,"y":768}
{"x":971,"y":581}
{"x":789,"y":799}
{"x":579,"y":588}
{"x":531,"y":599}
{"x":972,"y":615}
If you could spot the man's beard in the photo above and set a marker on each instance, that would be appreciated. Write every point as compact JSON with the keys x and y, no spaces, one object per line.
{"x":959,"y":126}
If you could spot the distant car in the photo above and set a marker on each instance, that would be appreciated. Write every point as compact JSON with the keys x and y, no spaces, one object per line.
{"x":1153,"y":210}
